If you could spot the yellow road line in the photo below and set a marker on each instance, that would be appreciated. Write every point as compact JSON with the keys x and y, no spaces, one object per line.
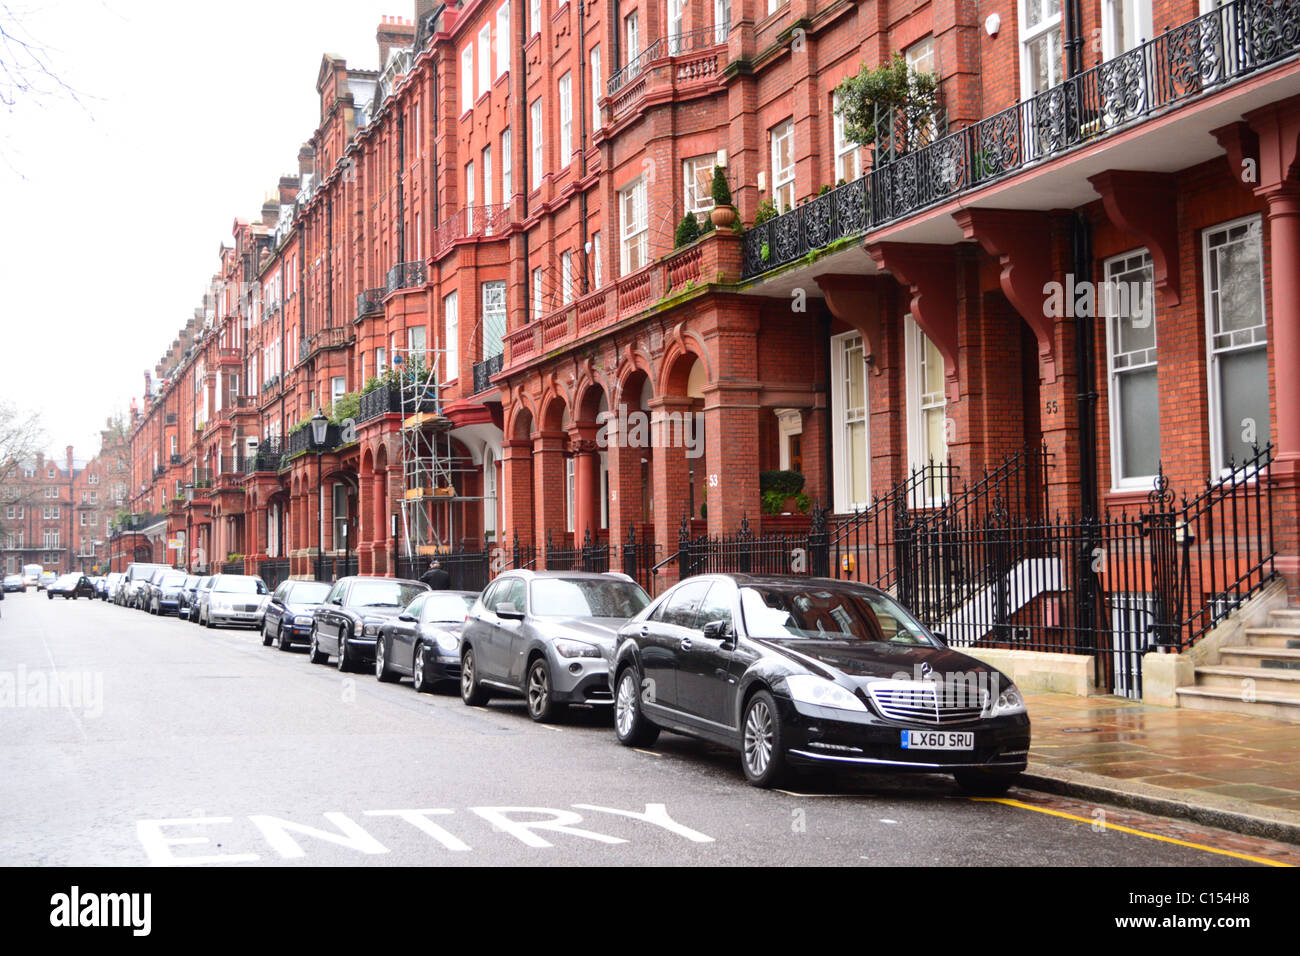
{"x":1123,"y":829}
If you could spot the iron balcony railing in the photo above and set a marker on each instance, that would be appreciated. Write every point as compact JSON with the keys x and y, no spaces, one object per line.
{"x":406,"y":275}
{"x":484,"y":370}
{"x":383,"y":400}
{"x":267,"y":457}
{"x":672,"y":45}
{"x":1191,"y":60}
{"x":369,"y":302}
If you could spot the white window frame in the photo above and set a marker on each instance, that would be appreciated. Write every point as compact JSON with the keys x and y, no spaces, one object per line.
{"x":503,"y":39}
{"x":1258,"y":336}
{"x":597,"y":261}
{"x":507,"y":166}
{"x":634,"y":229}
{"x":1138,"y":19}
{"x":486,"y":156}
{"x":1029,"y":34}
{"x":721,"y":20}
{"x":841,"y":346}
{"x":848,"y":154}
{"x":1117,"y":366}
{"x":694,"y":199}
{"x":917,"y":405}
{"x":535,"y":17}
{"x":491,"y":290}
{"x":538,"y":145}
{"x":566,"y":276}
{"x":596,"y":89}
{"x":469,"y":184}
{"x":782,"y":176}
{"x":485,"y":59}
{"x":467,"y":79}
{"x":451,"y":335}
{"x":631,"y":41}
{"x":537,"y":294}
{"x":565,"y":91}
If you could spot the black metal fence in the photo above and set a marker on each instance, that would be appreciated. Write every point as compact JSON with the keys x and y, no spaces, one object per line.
{"x":987,"y":567}
{"x":232,"y":567}
{"x":1197,"y":57}
{"x":273,"y":572}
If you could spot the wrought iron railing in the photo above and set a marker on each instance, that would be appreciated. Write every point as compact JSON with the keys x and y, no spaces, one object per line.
{"x":380,"y":401}
{"x":672,"y":45}
{"x":370,"y":301}
{"x":273,"y":571}
{"x":484,"y":370}
{"x":267,"y":457}
{"x":406,"y":275}
{"x":1191,"y":60}
{"x":482,"y":221}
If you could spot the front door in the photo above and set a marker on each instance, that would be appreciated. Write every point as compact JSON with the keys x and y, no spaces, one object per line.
{"x":705,"y":677}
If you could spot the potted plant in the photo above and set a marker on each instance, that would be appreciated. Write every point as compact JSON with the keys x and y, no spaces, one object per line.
{"x":782,"y":492}
{"x":688,"y":230}
{"x":723,"y":213}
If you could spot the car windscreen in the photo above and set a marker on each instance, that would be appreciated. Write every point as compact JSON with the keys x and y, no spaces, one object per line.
{"x":383,"y":594}
{"x":240,"y":585}
{"x":586,"y":597}
{"x":172,"y":581}
{"x":308,"y":592}
{"x":447,"y":607}
{"x":828,"y":614}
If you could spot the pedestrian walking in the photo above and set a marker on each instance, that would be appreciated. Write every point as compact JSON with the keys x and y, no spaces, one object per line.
{"x":437,"y":577}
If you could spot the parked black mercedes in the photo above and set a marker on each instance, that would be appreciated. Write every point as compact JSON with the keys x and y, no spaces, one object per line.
{"x":423,"y":642}
{"x":347,"y":624}
{"x":288,"y":617}
{"x":796,"y":671}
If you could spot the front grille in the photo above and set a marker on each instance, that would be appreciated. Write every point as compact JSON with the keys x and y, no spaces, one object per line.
{"x":929,"y":702}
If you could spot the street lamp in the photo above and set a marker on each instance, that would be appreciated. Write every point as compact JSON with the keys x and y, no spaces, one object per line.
{"x":189,"y":510}
{"x":319,"y":425}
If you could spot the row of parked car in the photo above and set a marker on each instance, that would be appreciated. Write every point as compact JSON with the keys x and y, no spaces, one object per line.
{"x":789,"y":671}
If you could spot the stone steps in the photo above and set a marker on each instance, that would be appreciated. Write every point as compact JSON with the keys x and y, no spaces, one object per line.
{"x":1260,"y":678}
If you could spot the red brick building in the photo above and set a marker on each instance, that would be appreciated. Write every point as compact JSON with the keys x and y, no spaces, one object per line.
{"x":498,"y":201}
{"x":60,"y":514}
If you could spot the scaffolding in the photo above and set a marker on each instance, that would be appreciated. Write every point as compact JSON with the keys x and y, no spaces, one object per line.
{"x":432,"y":473}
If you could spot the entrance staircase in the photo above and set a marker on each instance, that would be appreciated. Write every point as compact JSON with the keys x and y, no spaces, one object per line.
{"x":1260,"y":677}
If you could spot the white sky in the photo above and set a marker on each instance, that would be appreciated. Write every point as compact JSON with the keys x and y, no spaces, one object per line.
{"x":111,"y":213}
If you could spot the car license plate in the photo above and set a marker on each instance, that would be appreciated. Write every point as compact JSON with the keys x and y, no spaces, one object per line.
{"x":938,"y":740}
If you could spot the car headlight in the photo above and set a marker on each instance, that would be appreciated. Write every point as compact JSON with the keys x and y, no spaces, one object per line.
{"x":567,"y":648}
{"x":820,"y":692}
{"x":370,"y":629}
{"x":448,"y":643}
{"x":1009,"y":702}
{"x":302,"y":620}
{"x":220,"y":604}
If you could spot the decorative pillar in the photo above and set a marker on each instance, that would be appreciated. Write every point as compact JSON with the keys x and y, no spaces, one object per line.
{"x":516,"y":491}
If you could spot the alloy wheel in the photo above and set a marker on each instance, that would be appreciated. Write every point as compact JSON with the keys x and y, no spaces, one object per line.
{"x":467,"y":674}
{"x":758,"y":738}
{"x":417,"y":668}
{"x":539,"y":689}
{"x":625,"y":703}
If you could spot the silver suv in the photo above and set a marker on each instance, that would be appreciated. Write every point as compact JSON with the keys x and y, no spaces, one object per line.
{"x":547,"y":636}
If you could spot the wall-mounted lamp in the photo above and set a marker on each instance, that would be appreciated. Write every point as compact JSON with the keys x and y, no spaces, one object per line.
{"x":992,"y":24}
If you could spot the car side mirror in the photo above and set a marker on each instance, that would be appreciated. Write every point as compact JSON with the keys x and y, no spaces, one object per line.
{"x":507,"y":611}
{"x":719,"y":631}
{"x":406,"y":617}
{"x":941,"y":637}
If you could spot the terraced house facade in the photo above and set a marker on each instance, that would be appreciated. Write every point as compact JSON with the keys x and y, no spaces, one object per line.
{"x":1036,"y":355}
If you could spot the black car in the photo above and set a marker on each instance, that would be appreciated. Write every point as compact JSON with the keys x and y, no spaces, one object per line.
{"x":187,"y":595}
{"x":163,"y":593}
{"x":288,"y":616}
{"x":423,"y":642}
{"x":796,"y":671}
{"x":70,"y":586}
{"x":347,"y":624}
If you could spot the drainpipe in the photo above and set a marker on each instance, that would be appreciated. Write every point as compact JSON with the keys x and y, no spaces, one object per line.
{"x":401,"y":202}
{"x":1073,"y":41}
{"x":582,"y":142}
{"x":521,"y":96}
{"x":1087,"y":605}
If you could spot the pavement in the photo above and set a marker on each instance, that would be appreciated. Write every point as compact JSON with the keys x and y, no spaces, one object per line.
{"x":135,"y":740}
{"x":1232,"y":771}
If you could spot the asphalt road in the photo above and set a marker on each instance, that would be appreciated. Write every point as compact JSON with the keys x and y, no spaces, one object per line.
{"x":174,"y":744}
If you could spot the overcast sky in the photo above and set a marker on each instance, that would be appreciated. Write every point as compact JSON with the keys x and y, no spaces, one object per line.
{"x":112,"y":211}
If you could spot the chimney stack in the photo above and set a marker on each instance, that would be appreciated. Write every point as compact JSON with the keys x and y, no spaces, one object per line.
{"x":393,"y":33}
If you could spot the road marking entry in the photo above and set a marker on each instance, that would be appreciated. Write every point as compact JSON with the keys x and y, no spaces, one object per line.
{"x":648,"y":753}
{"x":558,"y":730}
{"x":1122,"y":829}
